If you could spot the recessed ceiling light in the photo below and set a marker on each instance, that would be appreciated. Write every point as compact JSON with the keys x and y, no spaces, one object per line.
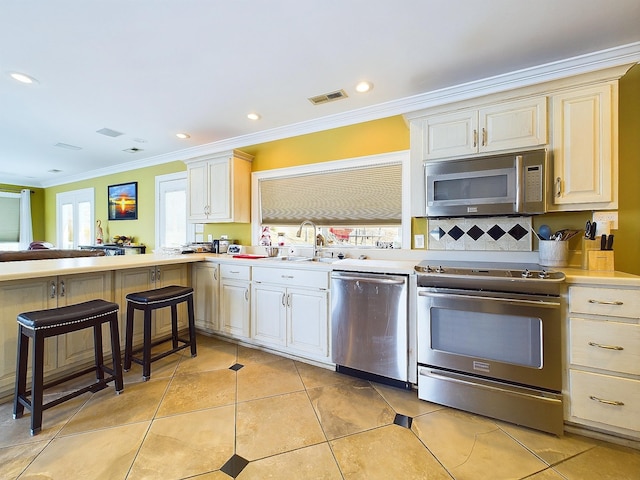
{"x":183,"y":135}
{"x":22,"y":77}
{"x":364,"y":87}
{"x":253,"y":116}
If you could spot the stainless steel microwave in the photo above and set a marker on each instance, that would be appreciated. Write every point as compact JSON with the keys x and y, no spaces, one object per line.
{"x":506,"y":184}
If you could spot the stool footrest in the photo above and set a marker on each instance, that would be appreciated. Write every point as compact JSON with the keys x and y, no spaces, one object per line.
{"x":160,"y":355}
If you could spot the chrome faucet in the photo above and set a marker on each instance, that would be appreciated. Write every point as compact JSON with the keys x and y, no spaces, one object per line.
{"x":315,"y":234}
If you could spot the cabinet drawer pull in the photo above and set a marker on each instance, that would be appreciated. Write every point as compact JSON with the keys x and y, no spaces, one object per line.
{"x":608,"y":402}
{"x":235,"y":272}
{"x":608,"y":347}
{"x":475,"y":138}
{"x":287,"y":276}
{"x":605,"y":302}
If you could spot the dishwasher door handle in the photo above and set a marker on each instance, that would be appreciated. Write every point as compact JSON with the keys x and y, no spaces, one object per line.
{"x":386,"y":281}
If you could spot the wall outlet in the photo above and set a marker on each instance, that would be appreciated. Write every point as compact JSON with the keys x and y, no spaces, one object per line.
{"x":418,"y":241}
{"x":601,"y":217}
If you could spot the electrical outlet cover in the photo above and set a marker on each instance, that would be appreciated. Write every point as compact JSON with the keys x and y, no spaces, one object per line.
{"x":611,"y":216}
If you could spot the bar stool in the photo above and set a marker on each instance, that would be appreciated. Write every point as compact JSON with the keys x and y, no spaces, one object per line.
{"x":149,"y":301}
{"x":41,"y":324}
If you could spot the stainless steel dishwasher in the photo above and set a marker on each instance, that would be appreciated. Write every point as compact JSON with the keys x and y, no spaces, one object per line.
{"x":369,"y":325}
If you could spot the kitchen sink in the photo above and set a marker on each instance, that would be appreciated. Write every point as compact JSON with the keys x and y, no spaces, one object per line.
{"x":298,"y":258}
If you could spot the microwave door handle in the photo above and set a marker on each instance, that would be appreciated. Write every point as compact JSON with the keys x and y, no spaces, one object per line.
{"x":519,"y":184}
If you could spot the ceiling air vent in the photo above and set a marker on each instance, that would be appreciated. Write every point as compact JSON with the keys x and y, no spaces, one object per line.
{"x":328,"y":97}
{"x":109,"y":132}
{"x":67,"y":146}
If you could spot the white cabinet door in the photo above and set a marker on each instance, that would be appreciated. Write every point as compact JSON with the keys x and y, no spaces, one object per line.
{"x":220,"y":190}
{"x":510,"y":125}
{"x":269,"y":314}
{"x":78,"y":347}
{"x":307,"y":321}
{"x":17,"y":297}
{"x":584,"y":148}
{"x":198,"y":191}
{"x":205,"y":281}
{"x":234,"y":307}
{"x":451,"y":134}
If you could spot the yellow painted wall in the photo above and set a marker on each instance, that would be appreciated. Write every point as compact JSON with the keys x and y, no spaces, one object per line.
{"x":37,"y":208}
{"x":627,"y":239}
{"x":142,"y":229}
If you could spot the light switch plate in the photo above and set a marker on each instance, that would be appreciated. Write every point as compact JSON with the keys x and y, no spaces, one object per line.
{"x":418,"y":241}
{"x":611,"y":216}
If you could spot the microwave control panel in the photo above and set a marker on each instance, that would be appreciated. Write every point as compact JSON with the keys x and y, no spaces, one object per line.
{"x":533,"y":183}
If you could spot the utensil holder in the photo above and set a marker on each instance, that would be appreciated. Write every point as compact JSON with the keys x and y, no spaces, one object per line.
{"x":554,"y":253}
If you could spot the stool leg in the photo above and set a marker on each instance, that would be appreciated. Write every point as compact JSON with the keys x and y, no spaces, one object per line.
{"x":98,"y":351}
{"x":174,"y":326}
{"x":37,"y":383}
{"x":192,"y":326}
{"x":128,"y":345}
{"x":21,"y":373}
{"x":115,"y":352}
{"x":146,"y":349}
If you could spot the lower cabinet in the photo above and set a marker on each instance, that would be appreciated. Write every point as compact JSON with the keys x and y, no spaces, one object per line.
{"x":289,"y":311}
{"x":235,"y":285}
{"x":205,"y":280}
{"x":604,"y":367}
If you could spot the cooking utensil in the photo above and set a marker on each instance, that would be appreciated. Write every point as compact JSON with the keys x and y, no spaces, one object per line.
{"x":590,"y":230}
{"x":536,"y":234}
{"x":545,"y":232}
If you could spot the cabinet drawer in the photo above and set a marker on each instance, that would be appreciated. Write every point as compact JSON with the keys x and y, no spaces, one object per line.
{"x":614,"y":302}
{"x":605,"y":399}
{"x":611,"y":346}
{"x":291,"y":276}
{"x":238,"y":272}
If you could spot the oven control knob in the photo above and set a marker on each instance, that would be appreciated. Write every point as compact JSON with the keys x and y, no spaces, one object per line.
{"x":543,"y":274}
{"x":439,"y":269}
{"x":526,"y":274}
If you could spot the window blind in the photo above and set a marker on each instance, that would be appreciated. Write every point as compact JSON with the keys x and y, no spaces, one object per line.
{"x":352,"y":196}
{"x":10,"y":224}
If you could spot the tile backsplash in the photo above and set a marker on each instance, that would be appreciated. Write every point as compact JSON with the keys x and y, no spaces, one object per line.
{"x":484,"y":234}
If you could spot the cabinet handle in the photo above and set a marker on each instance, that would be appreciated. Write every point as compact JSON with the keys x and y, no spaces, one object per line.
{"x":558,"y":187}
{"x":289,"y":300}
{"x":234,"y":272}
{"x":605,"y":302}
{"x":215,"y":274}
{"x":158,"y":275}
{"x":475,"y":138}
{"x":53,"y":289}
{"x":608,"y":347}
{"x":284,"y":303}
{"x":153,"y":276}
{"x":608,"y":402}
{"x":246,"y":295}
{"x":62,"y":288}
{"x":287,"y":276}
{"x":484,"y":137}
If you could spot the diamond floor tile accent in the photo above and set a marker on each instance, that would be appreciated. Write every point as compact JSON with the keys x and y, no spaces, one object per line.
{"x":234,"y":466}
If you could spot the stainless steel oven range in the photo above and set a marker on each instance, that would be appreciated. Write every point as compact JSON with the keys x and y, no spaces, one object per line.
{"x":489,"y":341}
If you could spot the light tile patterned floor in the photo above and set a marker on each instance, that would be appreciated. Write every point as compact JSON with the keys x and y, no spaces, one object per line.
{"x":271,"y":417}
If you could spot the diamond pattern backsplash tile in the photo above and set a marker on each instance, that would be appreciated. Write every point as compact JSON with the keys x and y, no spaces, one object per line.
{"x":485,"y":234}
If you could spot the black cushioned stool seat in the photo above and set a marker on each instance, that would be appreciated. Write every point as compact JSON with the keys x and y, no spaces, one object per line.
{"x":42,"y":324}
{"x":151,"y":300}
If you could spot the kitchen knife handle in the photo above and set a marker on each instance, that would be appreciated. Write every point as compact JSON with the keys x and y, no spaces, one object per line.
{"x":603,"y":242}
{"x":610,"y":242}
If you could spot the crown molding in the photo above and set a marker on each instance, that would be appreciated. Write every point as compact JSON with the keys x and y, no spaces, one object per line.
{"x":624,"y":55}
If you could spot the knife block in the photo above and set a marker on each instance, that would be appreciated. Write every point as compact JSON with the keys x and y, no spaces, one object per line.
{"x":589,"y":246}
{"x":595,"y":259}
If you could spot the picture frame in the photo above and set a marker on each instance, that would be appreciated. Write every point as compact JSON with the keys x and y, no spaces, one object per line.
{"x":122,"y":201}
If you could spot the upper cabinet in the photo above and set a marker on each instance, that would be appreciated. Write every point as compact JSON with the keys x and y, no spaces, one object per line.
{"x":219,"y":188}
{"x":585,"y":160}
{"x":508,"y":125}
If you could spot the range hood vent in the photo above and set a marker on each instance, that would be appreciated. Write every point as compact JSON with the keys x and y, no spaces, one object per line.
{"x":328,"y":97}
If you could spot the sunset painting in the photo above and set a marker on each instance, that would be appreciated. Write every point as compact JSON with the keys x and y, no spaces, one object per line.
{"x":123,"y":201}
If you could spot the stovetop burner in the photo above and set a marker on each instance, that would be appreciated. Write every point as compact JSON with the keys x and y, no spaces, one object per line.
{"x":529,"y":278}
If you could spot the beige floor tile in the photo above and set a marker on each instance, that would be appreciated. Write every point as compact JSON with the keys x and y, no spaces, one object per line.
{"x":259,"y":380}
{"x":274,"y":425}
{"x":350,"y":408}
{"x":550,"y":448}
{"x":313,"y":376}
{"x":162,"y":368}
{"x":13,"y":460}
{"x":248,"y":355}
{"x":103,"y":454}
{"x":218,"y":475}
{"x":405,"y":402}
{"x":604,"y":462}
{"x":386,"y":453}
{"x":197,"y":391}
{"x":18,"y":431}
{"x":138,"y":402}
{"x":315,"y":462}
{"x":184,"y":445}
{"x":211,"y":356}
{"x":548,"y":474}
{"x":474,"y":448}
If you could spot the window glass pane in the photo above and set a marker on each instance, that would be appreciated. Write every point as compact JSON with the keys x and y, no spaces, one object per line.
{"x":361,"y":236}
{"x":66,"y":222}
{"x":84,"y":224}
{"x":175,"y":224}
{"x":10,"y":225}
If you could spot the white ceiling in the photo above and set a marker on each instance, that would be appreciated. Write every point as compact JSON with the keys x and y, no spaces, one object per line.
{"x":153,"y":68}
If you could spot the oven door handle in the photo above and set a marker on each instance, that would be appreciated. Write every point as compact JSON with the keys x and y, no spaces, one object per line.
{"x":510,"y":301}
